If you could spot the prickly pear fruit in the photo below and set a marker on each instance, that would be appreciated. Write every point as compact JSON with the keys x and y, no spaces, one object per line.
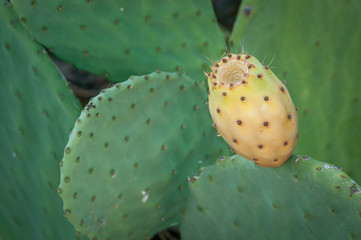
{"x":252,"y":110}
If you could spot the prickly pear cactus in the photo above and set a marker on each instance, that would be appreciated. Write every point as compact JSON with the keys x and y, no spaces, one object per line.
{"x":321,"y":71}
{"x":128,"y":37}
{"x":36,"y":113}
{"x":252,"y":110}
{"x":125,"y":168}
{"x":302,"y":199}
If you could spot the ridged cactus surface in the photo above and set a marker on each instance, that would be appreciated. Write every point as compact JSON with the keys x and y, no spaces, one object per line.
{"x":125,"y":169}
{"x":316,"y":50}
{"x":116,"y":39}
{"x":302,"y":199}
{"x":36,"y":114}
{"x":252,"y":110}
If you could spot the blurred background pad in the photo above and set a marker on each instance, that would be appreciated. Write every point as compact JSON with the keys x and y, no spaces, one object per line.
{"x":315,"y":48}
{"x":116,"y":39}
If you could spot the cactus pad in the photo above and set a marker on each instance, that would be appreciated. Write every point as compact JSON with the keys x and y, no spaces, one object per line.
{"x":37,"y":111}
{"x":125,"y":169}
{"x":118,"y":38}
{"x":321,"y":71}
{"x":302,"y":199}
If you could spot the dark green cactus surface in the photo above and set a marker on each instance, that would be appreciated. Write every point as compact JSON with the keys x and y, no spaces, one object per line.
{"x":36,"y":114}
{"x":119,"y":38}
{"x":125,"y":170}
{"x":316,"y":49}
{"x":302,"y":199}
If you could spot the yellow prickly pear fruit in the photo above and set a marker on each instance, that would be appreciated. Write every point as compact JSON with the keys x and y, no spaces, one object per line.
{"x":252,"y":110}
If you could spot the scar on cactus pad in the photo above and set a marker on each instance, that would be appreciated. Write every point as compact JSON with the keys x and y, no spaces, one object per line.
{"x":252,"y":110}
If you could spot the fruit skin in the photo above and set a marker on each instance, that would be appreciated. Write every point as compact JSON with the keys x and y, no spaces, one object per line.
{"x":252,"y":110}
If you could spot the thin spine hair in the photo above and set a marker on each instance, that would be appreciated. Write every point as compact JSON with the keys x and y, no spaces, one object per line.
{"x":211,"y":61}
{"x":243,"y":51}
{"x":273,"y":58}
{"x":264,"y":58}
{"x":242,"y":44}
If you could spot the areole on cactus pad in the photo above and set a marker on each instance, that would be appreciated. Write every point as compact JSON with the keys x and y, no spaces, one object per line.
{"x":252,"y":110}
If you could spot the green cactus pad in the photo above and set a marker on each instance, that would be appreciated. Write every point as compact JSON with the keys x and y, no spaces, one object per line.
{"x":37,"y":112}
{"x":302,"y":199}
{"x":316,"y":50}
{"x":118,"y":38}
{"x":125,"y":169}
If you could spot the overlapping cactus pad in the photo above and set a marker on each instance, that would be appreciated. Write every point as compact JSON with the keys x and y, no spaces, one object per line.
{"x":125,"y":169}
{"x":119,"y":38}
{"x":36,"y":113}
{"x":302,"y":199}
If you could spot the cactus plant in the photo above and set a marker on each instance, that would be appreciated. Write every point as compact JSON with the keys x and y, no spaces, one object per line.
{"x":252,"y":110}
{"x":111,"y":191}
